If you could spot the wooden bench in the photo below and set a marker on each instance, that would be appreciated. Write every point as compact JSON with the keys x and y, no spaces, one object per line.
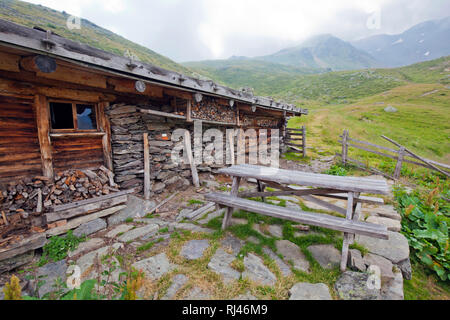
{"x":347,"y":188}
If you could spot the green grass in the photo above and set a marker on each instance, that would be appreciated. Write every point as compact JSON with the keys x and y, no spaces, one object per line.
{"x":31,"y":15}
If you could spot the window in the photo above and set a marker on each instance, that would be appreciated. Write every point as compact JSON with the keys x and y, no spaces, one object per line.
{"x":72,"y":116}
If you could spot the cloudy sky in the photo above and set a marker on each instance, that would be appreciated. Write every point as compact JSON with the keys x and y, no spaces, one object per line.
{"x":186,"y":30}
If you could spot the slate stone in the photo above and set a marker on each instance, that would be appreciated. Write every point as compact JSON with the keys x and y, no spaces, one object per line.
{"x":220,"y":263}
{"x":49,"y":273}
{"x":326,"y":255}
{"x":178,"y":282}
{"x":87,"y":246}
{"x":355,"y":260}
{"x":190,"y":227}
{"x":284,"y":268}
{"x":276,"y":230}
{"x":393,"y":288}
{"x":255,"y":270}
{"x":246,"y":296}
{"x":232,"y":243}
{"x":197,"y":293}
{"x":17,"y":261}
{"x":395,"y":249}
{"x":384,"y":264}
{"x":155,"y":267}
{"x":354,"y":286}
{"x":291,"y":252}
{"x":90,"y":227}
{"x":119,"y":229}
{"x":253,"y":239}
{"x":139,"y":232}
{"x":194,"y":249}
{"x":309,"y":291}
{"x":86,"y":261}
{"x":135,"y":208}
{"x":390,"y":109}
{"x":405,"y":268}
{"x":390,"y":224}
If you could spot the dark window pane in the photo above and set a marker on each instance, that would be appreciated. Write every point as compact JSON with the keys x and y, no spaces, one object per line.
{"x":86,"y":117}
{"x":61,"y":114}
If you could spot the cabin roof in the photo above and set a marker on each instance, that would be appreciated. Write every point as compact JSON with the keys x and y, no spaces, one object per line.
{"x":48,"y":43}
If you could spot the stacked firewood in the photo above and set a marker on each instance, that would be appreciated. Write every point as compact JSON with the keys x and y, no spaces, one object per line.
{"x":23,"y":202}
{"x":210,"y":109}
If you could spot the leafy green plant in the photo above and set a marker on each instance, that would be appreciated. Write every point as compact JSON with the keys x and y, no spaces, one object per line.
{"x":425,"y":224}
{"x":57,"y":247}
{"x":337,"y":170}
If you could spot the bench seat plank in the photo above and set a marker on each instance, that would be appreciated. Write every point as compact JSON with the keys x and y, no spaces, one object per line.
{"x":310,"y":218}
{"x":282,"y":176}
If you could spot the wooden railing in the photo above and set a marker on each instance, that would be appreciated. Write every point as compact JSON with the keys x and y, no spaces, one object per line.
{"x":293,"y":136}
{"x":402,"y":155}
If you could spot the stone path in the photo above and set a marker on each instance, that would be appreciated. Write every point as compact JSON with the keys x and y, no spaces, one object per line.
{"x":292,"y":254}
{"x":309,"y":291}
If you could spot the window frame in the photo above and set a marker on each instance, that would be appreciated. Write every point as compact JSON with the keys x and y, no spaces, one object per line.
{"x":74,"y":116}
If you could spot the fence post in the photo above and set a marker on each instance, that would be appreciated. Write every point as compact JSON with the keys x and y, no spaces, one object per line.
{"x":304,"y":141}
{"x":344,"y":147}
{"x":147,"y":179}
{"x":398,"y":167}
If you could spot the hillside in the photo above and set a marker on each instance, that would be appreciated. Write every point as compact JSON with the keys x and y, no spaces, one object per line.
{"x":323,"y":51}
{"x":31,"y":15}
{"x":425,"y":41}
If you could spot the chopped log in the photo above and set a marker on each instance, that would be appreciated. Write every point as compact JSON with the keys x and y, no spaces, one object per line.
{"x":5,"y":221}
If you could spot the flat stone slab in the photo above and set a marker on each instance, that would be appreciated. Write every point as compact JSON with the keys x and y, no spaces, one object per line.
{"x":255,"y":270}
{"x":119,"y":229}
{"x":354,"y":286}
{"x":211,"y":216}
{"x":391,"y":224}
{"x":135,"y":208}
{"x":276,"y":230}
{"x":155,"y":267}
{"x":220,"y":263}
{"x":395,"y":249}
{"x":17,"y":261}
{"x":386,"y":211}
{"x":178,"y":282}
{"x":87,"y":246}
{"x":247,"y":296}
{"x":139,"y":232}
{"x":86,"y":261}
{"x":284,"y":268}
{"x":90,"y":227}
{"x":190,"y":227}
{"x":384,"y":264}
{"x":393,"y":288}
{"x":309,"y":291}
{"x":194,"y":249}
{"x":48,"y":274}
{"x":291,"y":253}
{"x":326,"y":255}
{"x":232,"y":243}
{"x":197,"y":293}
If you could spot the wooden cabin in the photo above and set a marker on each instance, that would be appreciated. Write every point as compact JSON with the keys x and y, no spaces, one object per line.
{"x":68,"y":109}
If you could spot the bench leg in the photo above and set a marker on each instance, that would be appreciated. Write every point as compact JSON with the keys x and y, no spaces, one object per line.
{"x":261,"y":188}
{"x":347,"y":236}
{"x":229,"y":212}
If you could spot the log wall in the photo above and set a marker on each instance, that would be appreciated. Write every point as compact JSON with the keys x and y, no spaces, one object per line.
{"x":19,"y":144}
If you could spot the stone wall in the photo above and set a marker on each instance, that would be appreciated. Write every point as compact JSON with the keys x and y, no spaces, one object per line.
{"x":127,"y":128}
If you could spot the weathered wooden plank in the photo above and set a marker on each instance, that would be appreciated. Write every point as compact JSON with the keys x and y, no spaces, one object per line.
{"x":43,"y":126}
{"x":86,"y":209}
{"x":309,"y":218}
{"x":33,"y":242}
{"x":76,"y":204}
{"x":283,"y":176}
{"x":147,"y":178}
{"x":252,"y":194}
{"x":200,"y":211}
{"x":229,"y":213}
{"x":324,"y":204}
{"x":188,"y":149}
{"x":398,"y":166}
{"x":160,"y":113}
{"x":347,"y":236}
{"x":76,"y":222}
{"x":105,"y":127}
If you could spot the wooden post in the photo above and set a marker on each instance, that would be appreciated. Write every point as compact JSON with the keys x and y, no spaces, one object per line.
{"x":229,"y":212}
{"x":230,"y":141}
{"x":238,"y":121}
{"x":261,"y":188}
{"x":188,"y":150}
{"x":347,"y":236}
{"x":398,"y":167}
{"x":43,"y":127}
{"x":147,"y":181}
{"x":188,"y":111}
{"x":105,"y":126}
{"x":344,"y":147}
{"x":304,"y":141}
